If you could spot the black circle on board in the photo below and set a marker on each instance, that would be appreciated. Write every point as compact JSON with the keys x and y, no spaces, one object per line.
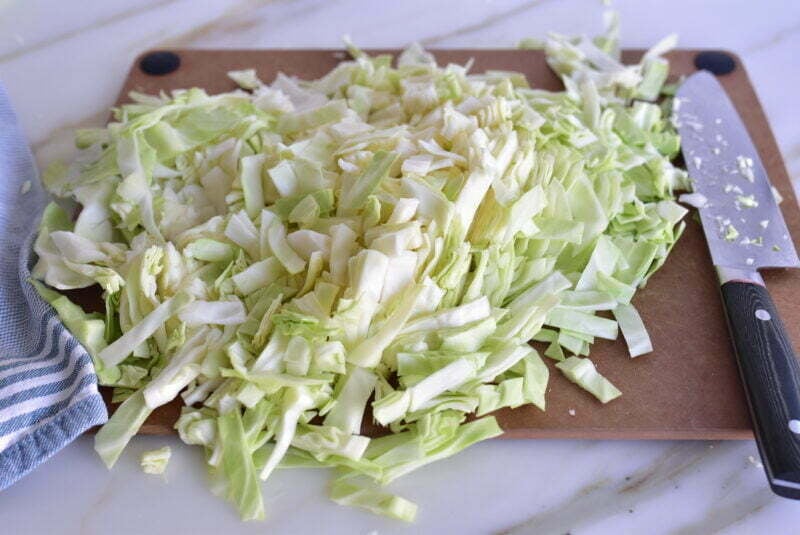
{"x":718,"y":63}
{"x":160,"y":63}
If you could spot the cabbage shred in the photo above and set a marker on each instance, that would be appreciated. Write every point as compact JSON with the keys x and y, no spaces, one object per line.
{"x":382,"y":243}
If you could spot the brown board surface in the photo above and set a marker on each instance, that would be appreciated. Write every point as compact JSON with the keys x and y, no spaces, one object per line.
{"x":688,"y":388}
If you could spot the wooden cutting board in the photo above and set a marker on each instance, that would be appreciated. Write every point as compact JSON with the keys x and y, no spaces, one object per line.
{"x":688,"y":388}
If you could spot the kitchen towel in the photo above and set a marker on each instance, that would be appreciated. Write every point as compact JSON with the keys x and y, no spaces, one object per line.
{"x":48,"y":388}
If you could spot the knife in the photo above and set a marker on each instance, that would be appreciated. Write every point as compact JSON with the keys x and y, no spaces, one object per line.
{"x":745,"y":232}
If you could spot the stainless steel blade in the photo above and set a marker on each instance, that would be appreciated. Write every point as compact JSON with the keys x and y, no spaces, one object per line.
{"x":742,"y":222}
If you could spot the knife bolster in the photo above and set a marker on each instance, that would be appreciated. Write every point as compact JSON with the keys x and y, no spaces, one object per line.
{"x":729,"y":274}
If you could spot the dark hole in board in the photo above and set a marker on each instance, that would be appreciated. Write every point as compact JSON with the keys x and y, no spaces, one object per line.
{"x":160,"y":63}
{"x":718,"y":63}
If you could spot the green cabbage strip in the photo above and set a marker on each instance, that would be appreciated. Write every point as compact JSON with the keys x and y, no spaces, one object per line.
{"x":156,"y":461}
{"x":380,"y":243}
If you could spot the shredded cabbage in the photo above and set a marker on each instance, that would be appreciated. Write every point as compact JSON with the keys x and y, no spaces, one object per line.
{"x":155,"y":461}
{"x":381,"y":243}
{"x":583,"y":373}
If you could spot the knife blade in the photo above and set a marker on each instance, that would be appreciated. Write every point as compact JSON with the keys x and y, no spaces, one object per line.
{"x":741,"y":218}
{"x":745,"y":231}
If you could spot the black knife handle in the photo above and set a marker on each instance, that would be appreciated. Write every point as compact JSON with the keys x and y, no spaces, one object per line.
{"x":771,"y":377}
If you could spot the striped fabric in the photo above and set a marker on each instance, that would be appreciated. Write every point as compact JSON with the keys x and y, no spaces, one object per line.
{"x":48,"y":389}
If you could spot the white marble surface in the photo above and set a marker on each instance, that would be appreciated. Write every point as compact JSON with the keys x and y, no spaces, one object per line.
{"x":63,"y":64}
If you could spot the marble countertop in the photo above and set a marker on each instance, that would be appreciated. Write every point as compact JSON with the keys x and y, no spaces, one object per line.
{"x":63,"y":67}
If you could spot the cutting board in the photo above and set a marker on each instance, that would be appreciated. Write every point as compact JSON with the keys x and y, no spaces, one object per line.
{"x":688,"y":388}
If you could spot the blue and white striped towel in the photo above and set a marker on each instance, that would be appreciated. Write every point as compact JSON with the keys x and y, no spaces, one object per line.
{"x":48,"y":389}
